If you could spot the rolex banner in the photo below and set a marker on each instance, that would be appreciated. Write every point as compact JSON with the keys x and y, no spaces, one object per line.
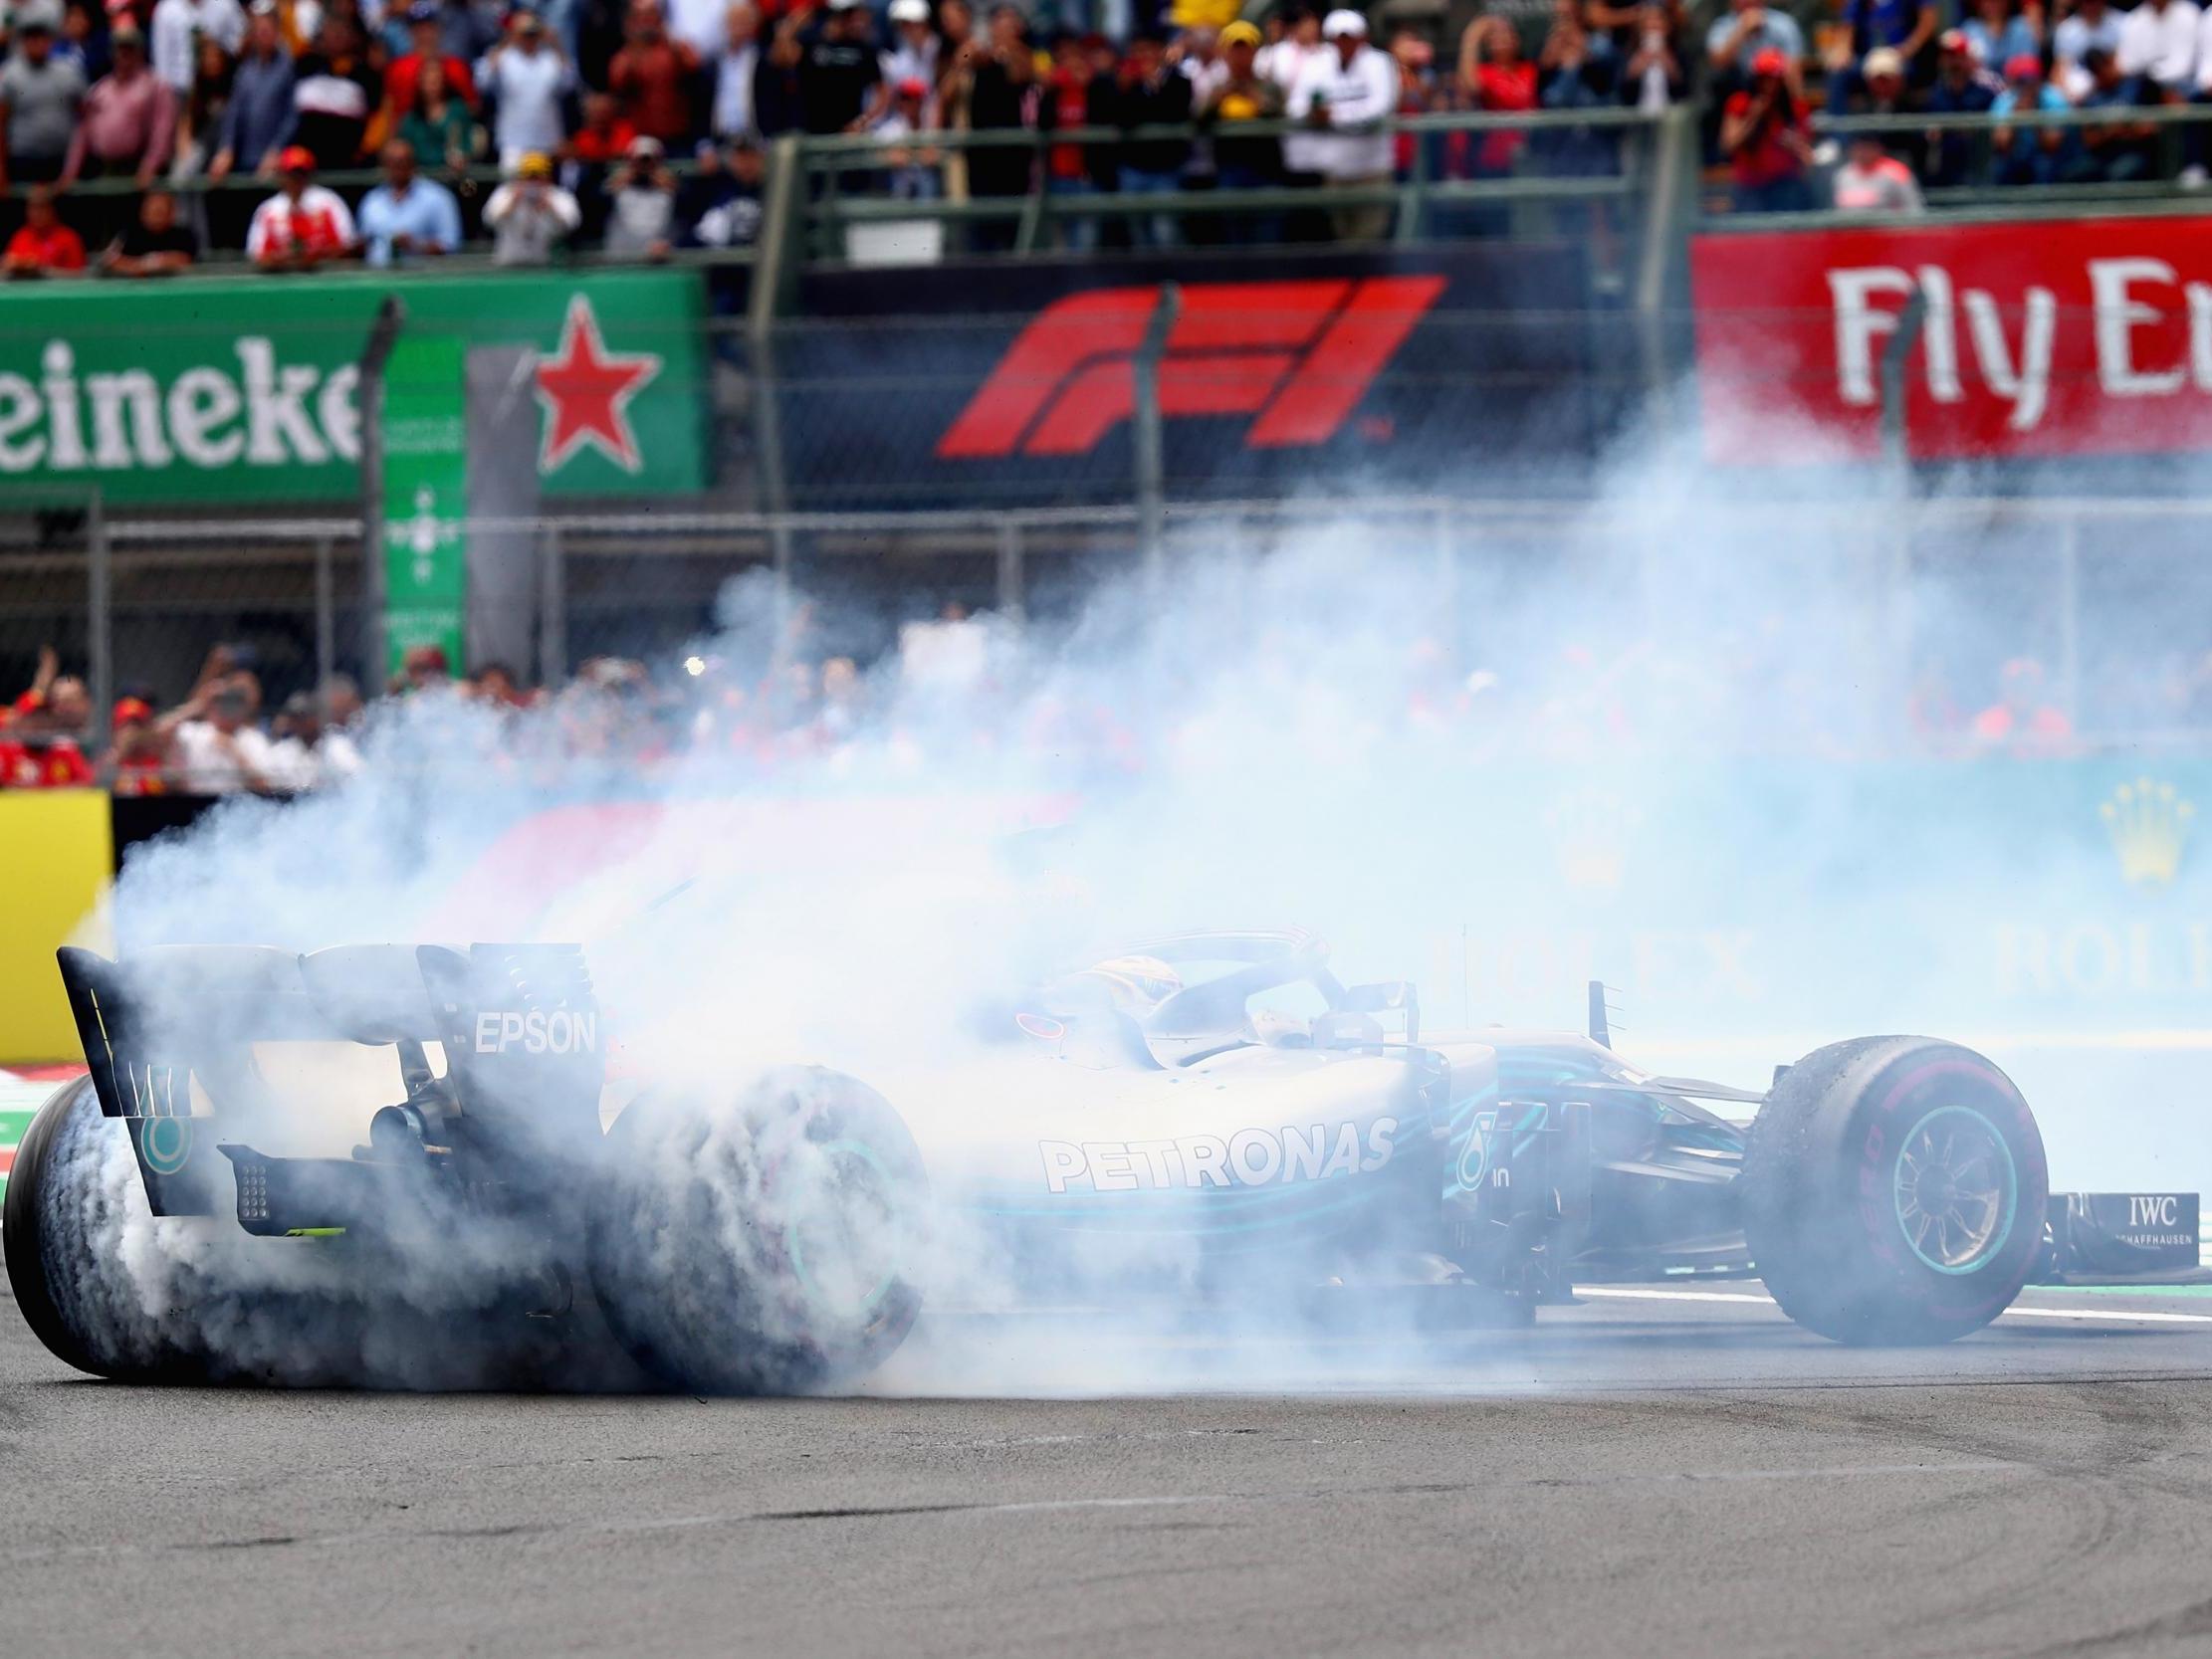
{"x":244,"y":391}
{"x":426,"y":476}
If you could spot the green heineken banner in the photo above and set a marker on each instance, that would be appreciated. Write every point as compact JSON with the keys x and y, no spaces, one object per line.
{"x":426,"y":476}
{"x":229,"y":390}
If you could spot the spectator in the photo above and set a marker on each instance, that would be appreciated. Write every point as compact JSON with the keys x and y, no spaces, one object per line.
{"x":1739,"y":37}
{"x":217,"y":749}
{"x":2022,"y":720}
{"x":39,"y":747}
{"x":840,"y":74}
{"x":1418,"y":93}
{"x":406,"y":219}
{"x":1196,"y":55}
{"x":530,"y":216}
{"x":308,"y":755}
{"x":1148,"y":92}
{"x":40,"y":94}
{"x":2028,"y":155}
{"x":1285,"y":56}
{"x":1904,"y":28}
{"x":1076,"y":94}
{"x":179,"y":25}
{"x":1573,"y":75}
{"x":2158,"y":49}
{"x":996,"y":80}
{"x":1997,"y":34}
{"x":720,"y":205}
{"x":2123,"y":151}
{"x":467,"y":29}
{"x":1495,"y":76}
{"x":1245,"y":163}
{"x":1880,"y":89}
{"x":605,"y":136}
{"x":128,"y":120}
{"x":526,"y":77}
{"x":1872,"y":180}
{"x":259,"y":120}
{"x":439,"y":127}
{"x":201,"y":123}
{"x":303,"y":225}
{"x":641,"y":219}
{"x":1347,"y":96}
{"x":1654,"y":80}
{"x":1963,"y":87}
{"x":155,"y":245}
{"x":738,"y":60}
{"x":651,"y":76}
{"x":426,"y":46}
{"x":914,"y":52}
{"x":137,"y":759}
{"x":2088,"y":25}
{"x":43,"y":245}
{"x":337,"y":93}
{"x":910,"y":168}
{"x":1763,"y":134}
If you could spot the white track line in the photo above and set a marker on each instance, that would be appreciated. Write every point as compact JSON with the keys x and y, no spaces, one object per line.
{"x":2122,"y":1315}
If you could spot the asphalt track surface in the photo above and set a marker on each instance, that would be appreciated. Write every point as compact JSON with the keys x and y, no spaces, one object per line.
{"x":1640,"y":1475}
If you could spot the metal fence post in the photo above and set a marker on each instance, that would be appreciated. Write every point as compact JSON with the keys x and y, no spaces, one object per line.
{"x":1145,"y":428}
{"x":100,"y":644}
{"x":383,"y":334}
{"x":553,"y":608}
{"x":1011,"y":604}
{"x":326,"y":615}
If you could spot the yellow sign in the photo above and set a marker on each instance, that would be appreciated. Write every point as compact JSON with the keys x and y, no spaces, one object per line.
{"x":57,"y":855}
{"x":2150,"y":826}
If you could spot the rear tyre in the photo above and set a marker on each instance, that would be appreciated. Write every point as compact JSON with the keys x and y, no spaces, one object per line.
{"x":68,"y":1196}
{"x":1894,"y":1192}
{"x":764,"y":1245}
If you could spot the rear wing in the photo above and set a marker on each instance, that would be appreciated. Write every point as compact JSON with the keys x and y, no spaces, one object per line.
{"x":169,"y":1036}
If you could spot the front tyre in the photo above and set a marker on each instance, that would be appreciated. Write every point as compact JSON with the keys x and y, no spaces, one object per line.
{"x":1894,"y":1192}
{"x":762,"y":1245}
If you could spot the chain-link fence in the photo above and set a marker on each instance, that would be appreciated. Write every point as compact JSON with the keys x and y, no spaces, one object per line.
{"x":1882,"y":618}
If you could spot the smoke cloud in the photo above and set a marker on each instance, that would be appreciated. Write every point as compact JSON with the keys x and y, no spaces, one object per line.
{"x":1664,"y":744}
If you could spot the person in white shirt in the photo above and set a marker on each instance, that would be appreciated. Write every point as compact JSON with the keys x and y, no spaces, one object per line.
{"x":1346,"y":95}
{"x":308,"y":755}
{"x":215,"y":748}
{"x":175,"y":23}
{"x":913,"y":53}
{"x":524,"y":77}
{"x":1874,"y":181}
{"x":1280,"y":61}
{"x":2158,"y":44}
{"x":735,"y":57}
{"x":530,"y":215}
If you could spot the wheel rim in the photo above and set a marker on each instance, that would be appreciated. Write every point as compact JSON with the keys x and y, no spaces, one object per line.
{"x":1956,"y":1189}
{"x":848,"y":1254}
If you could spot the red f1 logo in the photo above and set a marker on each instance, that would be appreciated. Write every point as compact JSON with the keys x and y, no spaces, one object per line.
{"x":1297,"y":355}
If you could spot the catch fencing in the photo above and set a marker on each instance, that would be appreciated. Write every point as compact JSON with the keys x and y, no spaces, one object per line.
{"x":1891,"y":604}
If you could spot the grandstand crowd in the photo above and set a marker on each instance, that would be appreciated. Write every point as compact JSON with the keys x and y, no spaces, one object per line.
{"x":945,"y":692}
{"x":636,"y":126}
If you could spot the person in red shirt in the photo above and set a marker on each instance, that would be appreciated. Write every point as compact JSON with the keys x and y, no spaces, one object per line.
{"x":652,"y":75}
{"x":303,"y":225}
{"x":606,"y":136}
{"x":405,"y":72}
{"x":1494,"y":76}
{"x":2023,"y":721}
{"x":44,"y":246}
{"x":1764,"y":135}
{"x":139,"y":761}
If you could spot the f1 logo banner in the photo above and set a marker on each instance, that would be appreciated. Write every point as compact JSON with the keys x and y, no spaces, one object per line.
{"x":1297,"y":355}
{"x":1410,"y":368}
{"x":2056,"y":337}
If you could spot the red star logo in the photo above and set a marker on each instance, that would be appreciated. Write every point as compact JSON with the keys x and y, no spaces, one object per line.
{"x":586,"y":391}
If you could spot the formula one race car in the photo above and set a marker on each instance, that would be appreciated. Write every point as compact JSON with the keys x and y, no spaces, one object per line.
{"x":1211,"y":1116}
